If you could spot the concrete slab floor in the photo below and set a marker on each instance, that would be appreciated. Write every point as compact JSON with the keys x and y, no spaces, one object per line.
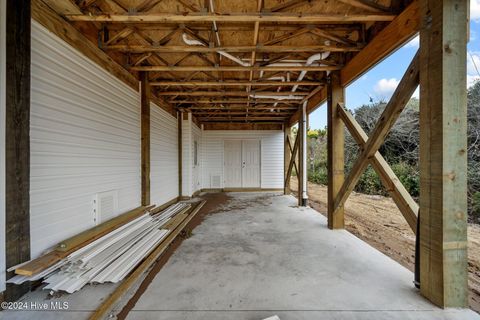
{"x":260,"y":255}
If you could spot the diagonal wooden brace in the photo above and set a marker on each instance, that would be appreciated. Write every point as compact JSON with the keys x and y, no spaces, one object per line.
{"x":292,"y":160}
{"x":392,"y":111}
{"x":404,"y":201}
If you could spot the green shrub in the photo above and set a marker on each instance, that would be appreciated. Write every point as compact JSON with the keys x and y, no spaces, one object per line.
{"x":409,"y":177}
{"x":475,"y":209}
{"x":318,"y":176}
{"x":370,"y":183}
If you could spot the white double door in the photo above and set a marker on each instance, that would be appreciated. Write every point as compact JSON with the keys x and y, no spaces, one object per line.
{"x":242,"y":163}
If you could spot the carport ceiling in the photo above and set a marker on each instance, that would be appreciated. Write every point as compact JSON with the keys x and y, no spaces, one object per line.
{"x":230,"y":60}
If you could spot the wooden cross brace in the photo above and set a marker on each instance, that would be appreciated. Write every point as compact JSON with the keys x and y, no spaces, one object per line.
{"x":392,"y":111}
{"x":404,"y":201}
{"x":292,"y":163}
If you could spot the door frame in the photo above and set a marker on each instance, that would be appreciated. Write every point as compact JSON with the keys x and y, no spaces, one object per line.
{"x":259,"y":156}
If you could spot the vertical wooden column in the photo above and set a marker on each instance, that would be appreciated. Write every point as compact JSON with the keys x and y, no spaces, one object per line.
{"x":17,"y":144}
{"x":180,"y":146}
{"x":302,"y":158}
{"x":336,"y":153}
{"x":145,"y":124}
{"x":287,"y":156}
{"x":443,"y":152}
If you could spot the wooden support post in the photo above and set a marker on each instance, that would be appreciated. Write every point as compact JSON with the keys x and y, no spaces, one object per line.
{"x":145,"y":133}
{"x":443,"y":152}
{"x":180,"y":146}
{"x":336,"y":153}
{"x":302,"y":158}
{"x":17,"y":143}
{"x":287,"y":157}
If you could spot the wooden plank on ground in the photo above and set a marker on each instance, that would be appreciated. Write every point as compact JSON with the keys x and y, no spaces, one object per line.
{"x":68,"y":246}
{"x":108,"y":303}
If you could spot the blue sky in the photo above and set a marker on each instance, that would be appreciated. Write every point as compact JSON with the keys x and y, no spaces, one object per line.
{"x":380,"y":82}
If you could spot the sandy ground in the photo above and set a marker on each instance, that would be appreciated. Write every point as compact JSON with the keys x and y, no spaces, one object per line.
{"x":377,"y":221}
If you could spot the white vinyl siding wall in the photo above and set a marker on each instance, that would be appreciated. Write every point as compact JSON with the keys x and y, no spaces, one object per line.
{"x":2,"y":140}
{"x":163,"y":156}
{"x":271,"y":144}
{"x":85,"y":139}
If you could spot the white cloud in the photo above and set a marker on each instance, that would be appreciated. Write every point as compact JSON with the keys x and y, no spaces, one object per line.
{"x":384,"y":88}
{"x":475,"y":10}
{"x":414,"y":43}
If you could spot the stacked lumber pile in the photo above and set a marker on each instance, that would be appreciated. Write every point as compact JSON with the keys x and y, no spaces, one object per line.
{"x":109,"y":257}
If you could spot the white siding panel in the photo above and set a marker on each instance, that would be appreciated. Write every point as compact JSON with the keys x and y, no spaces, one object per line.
{"x":2,"y":140}
{"x":271,"y":169}
{"x":163,"y":156}
{"x":85,"y":139}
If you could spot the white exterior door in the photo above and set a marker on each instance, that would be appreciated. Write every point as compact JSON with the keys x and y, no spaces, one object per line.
{"x":251,"y":164}
{"x":242,"y":163}
{"x":233,"y":163}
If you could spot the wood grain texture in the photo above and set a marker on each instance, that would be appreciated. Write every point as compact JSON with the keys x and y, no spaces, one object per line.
{"x":335,"y":152}
{"x":404,"y":201}
{"x":443,"y":152}
{"x":17,"y":143}
{"x":145,"y":93}
{"x":389,"y":116}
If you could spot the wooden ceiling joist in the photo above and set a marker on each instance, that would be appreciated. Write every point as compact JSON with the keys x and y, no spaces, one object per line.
{"x":234,"y":83}
{"x":234,"y":68}
{"x":229,"y":93}
{"x":233,"y":17}
{"x":257,"y":48}
{"x":240,"y":49}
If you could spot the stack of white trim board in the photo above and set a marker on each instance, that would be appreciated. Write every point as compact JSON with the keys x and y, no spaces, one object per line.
{"x":109,"y":258}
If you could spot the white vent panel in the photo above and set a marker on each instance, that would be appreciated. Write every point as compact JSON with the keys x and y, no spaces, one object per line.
{"x":105,"y":205}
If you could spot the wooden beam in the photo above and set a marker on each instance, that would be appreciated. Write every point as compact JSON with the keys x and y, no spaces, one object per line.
{"x":242,"y":126}
{"x":233,"y":83}
{"x":17,"y":143}
{"x":404,"y":201}
{"x":395,"y":106}
{"x":233,"y":17}
{"x":235,"y":101}
{"x":287,"y":157}
{"x":292,"y":161}
{"x":136,"y":48}
{"x":335,"y":151}
{"x":398,"y":32}
{"x":233,"y":68}
{"x":180,"y":151}
{"x":443,"y":153}
{"x":229,"y":93}
{"x":244,"y":118}
{"x":365,"y":5}
{"x":145,"y":134}
{"x":302,"y":161}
